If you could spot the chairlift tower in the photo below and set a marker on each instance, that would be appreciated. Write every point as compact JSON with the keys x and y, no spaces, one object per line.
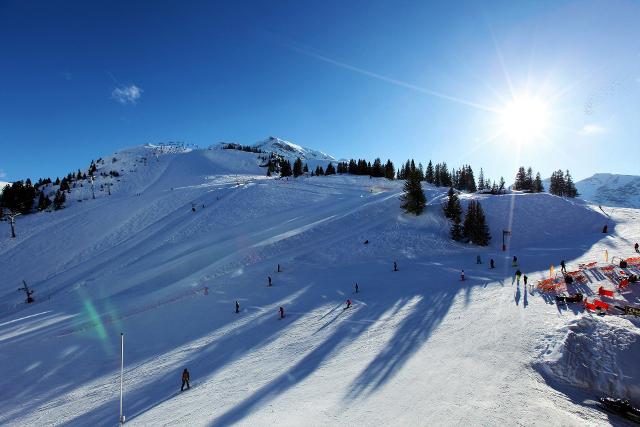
{"x":11,"y":218}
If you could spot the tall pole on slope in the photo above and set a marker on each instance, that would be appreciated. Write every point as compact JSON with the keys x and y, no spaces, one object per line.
{"x":121,"y":374}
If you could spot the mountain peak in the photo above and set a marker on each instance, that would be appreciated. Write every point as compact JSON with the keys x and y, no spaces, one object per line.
{"x":288,"y":149}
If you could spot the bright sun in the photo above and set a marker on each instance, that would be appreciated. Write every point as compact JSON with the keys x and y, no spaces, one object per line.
{"x":524,"y":119}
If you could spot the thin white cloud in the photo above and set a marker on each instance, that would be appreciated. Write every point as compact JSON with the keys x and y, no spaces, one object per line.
{"x":127,"y":94}
{"x":2,"y":174}
{"x":591,"y":129}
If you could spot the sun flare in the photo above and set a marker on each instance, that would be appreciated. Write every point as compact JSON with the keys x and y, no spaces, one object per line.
{"x":524,"y":119}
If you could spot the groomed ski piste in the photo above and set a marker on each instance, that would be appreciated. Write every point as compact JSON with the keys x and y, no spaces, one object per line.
{"x":185,"y":233}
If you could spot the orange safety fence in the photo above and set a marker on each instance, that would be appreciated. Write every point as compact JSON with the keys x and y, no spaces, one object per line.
{"x":633,"y":261}
{"x":607,"y":268}
{"x":589,"y":265}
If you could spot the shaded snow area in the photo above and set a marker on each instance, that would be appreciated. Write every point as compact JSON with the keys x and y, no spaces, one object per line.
{"x":598,"y":355}
{"x":186,"y":233}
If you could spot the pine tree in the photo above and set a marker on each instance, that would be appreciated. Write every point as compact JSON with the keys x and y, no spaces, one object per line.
{"x":413,"y":199}
{"x":285,"y":169}
{"x":428,"y":175}
{"x":501,"y":185}
{"x":537,"y":184}
{"x":59,"y":199}
{"x":468,"y":228}
{"x":482,"y":235}
{"x":528,"y":180}
{"x":521,"y":177}
{"x":297,"y":168}
{"x":481,"y":183}
{"x":437,"y":176}
{"x":389,"y":170}
{"x":305,"y":169}
{"x":556,"y":184}
{"x":376,"y":170}
{"x":570,"y":187}
{"x":453,"y":210}
{"x":331,"y":170}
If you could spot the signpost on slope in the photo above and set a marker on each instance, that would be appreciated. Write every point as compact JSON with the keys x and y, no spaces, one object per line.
{"x":121,"y":374}
{"x":505,"y":233}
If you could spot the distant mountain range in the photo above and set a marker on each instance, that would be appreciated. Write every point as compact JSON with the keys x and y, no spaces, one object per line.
{"x":611,"y":190}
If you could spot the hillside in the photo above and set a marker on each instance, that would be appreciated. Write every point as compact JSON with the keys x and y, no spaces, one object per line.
{"x":611,"y":190}
{"x":185,"y":233}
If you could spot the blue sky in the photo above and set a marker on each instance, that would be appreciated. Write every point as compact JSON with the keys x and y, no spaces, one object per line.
{"x":393,"y":79}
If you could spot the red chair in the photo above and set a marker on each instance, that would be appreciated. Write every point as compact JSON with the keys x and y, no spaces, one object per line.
{"x":605,"y":293}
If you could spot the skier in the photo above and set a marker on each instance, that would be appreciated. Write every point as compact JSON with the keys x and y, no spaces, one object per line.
{"x":395,"y":266}
{"x":356,"y":287}
{"x":462,"y":275}
{"x":563,"y":267}
{"x":518,"y":274}
{"x":605,"y":228}
{"x":185,"y":379}
{"x":269,"y":277}
{"x":515,"y":261}
{"x":282,"y":312}
{"x":492,"y":264}
{"x":348,"y":303}
{"x":478,"y":260}
{"x":525,"y":278}
{"x":636,"y":247}
{"x":279,"y":268}
{"x":237,"y":307}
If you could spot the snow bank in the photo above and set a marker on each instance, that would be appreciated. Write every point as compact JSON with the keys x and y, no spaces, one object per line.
{"x":597,"y":354}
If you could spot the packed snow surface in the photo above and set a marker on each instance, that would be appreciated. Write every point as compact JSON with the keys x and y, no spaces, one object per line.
{"x":188,"y":232}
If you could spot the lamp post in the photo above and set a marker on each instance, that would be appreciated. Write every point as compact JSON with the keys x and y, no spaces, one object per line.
{"x":505,"y":233}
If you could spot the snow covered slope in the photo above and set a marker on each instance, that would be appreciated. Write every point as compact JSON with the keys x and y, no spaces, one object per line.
{"x":186,"y":233}
{"x":290,"y":150}
{"x":611,"y":190}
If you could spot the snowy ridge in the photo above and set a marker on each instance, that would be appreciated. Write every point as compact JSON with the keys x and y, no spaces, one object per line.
{"x":291,"y":151}
{"x":611,"y":190}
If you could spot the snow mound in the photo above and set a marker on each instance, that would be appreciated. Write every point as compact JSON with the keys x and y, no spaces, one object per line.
{"x":289,"y":150}
{"x":539,"y":220}
{"x":598,"y":355}
{"x":611,"y":190}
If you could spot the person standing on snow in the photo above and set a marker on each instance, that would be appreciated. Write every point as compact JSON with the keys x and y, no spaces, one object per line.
{"x":237,"y":307}
{"x":279,"y":268}
{"x":269,"y":278}
{"x":185,"y":379}
{"x":478,"y":260}
{"x":492,"y":264}
{"x":395,"y":266}
{"x":515,"y":261}
{"x":563,"y":267}
{"x":636,"y":247}
{"x":282,"y":312}
{"x":356,"y":287}
{"x":462,"y":275}
{"x":518,"y":274}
